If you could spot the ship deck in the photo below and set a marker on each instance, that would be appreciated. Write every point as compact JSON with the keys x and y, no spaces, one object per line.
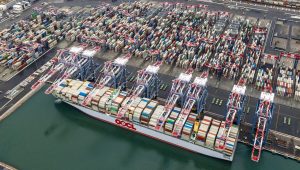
{"x":179,"y":143}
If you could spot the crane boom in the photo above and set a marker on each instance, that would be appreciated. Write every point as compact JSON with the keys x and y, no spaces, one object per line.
{"x":144,"y":80}
{"x":235,"y":107}
{"x":79,"y":59}
{"x":176,"y":93}
{"x":55,"y":68}
{"x":111,"y":70}
{"x":68,"y":73}
{"x":196,"y":97}
{"x":264,"y":113}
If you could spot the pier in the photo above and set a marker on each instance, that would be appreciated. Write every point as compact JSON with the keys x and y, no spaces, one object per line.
{"x":4,"y":166}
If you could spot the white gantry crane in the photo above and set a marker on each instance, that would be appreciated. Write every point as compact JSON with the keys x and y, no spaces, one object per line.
{"x":264,"y":113}
{"x":176,"y":94}
{"x":114,"y":75}
{"x":146,"y":85}
{"x":235,"y":106}
{"x":195,"y":97}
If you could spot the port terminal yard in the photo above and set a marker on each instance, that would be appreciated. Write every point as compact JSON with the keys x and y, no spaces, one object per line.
{"x":221,"y":91}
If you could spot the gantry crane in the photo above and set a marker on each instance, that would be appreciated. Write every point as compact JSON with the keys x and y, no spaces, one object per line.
{"x":176,"y":95}
{"x":196,"y":97}
{"x":146,"y":86}
{"x":62,"y":57}
{"x":264,"y":113}
{"x":114,"y":75}
{"x":235,"y":106}
{"x":81,"y":65}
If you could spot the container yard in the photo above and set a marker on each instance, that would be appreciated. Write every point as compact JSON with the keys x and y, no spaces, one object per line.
{"x":286,"y":76}
{"x":293,"y":4}
{"x":194,"y":47}
{"x":26,"y":40}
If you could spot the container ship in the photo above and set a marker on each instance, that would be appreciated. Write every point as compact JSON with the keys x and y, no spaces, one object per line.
{"x":137,"y":110}
{"x":197,"y":135}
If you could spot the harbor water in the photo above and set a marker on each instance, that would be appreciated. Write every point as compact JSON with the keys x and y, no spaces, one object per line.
{"x":42,"y":135}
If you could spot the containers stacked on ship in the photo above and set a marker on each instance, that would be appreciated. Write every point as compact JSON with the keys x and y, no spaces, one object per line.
{"x":146,"y":86}
{"x":195,"y":99}
{"x":266,"y":71}
{"x":203,"y":130}
{"x":235,"y":106}
{"x":139,"y":109}
{"x":176,"y":96}
{"x":159,"y":111}
{"x":72,"y":90}
{"x":191,"y":123}
{"x":219,"y":142}
{"x":116,"y":101}
{"x":169,"y":124}
{"x":80,"y":66}
{"x":231,"y":140}
{"x":212,"y":133}
{"x":114,"y":75}
{"x":262,"y":122}
{"x":104,"y":100}
{"x":286,"y":75}
{"x":203,"y":135}
{"x":147,"y":112}
{"x":131,"y":110}
{"x":95,"y":102}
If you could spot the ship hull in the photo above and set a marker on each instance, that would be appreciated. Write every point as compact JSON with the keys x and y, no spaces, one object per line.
{"x":152,"y":133}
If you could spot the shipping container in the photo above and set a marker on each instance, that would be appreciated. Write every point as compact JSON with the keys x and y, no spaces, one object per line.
{"x":266,"y":72}
{"x":297,"y":82}
{"x":286,"y":77}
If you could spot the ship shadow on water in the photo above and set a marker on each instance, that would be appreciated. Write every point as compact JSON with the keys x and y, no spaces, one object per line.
{"x":169,"y":153}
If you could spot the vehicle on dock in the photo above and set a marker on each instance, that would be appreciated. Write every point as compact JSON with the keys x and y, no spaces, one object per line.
{"x":20,"y":7}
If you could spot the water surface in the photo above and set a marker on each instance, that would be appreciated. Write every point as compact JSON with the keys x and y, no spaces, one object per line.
{"x":42,"y":135}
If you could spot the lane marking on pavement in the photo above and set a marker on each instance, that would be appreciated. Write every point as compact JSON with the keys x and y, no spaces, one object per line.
{"x":294,"y":117}
{"x":6,"y":104}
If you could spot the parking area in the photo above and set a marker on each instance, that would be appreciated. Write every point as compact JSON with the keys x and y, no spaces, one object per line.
{"x":286,"y":36}
{"x":280,"y":43}
{"x":295,"y":45}
{"x":281,"y":29}
{"x":296,"y":32}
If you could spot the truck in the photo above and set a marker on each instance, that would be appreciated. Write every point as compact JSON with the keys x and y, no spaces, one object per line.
{"x":6,"y":4}
{"x":21,"y":6}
